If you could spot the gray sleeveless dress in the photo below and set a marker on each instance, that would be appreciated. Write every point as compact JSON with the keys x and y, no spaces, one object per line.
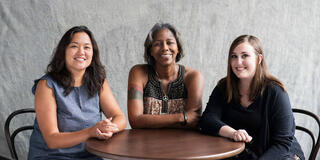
{"x":75,"y":111}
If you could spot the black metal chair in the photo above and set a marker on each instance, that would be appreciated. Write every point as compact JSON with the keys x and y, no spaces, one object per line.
{"x":315,"y":139}
{"x":10,"y":137}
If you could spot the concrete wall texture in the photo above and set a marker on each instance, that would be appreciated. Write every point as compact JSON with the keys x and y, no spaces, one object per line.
{"x":288,"y":30}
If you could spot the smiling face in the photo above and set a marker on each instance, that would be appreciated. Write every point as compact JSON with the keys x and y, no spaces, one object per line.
{"x":243,"y":61}
{"x":79,"y":52}
{"x":164,"y":47}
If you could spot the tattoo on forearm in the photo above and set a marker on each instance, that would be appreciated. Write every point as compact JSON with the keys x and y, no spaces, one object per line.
{"x":134,"y":93}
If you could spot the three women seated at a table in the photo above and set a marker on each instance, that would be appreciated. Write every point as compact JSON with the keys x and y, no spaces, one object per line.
{"x":248,"y":105}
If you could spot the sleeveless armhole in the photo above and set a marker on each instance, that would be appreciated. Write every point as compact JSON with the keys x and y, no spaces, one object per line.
{"x":149,"y":74}
{"x":46,"y":77}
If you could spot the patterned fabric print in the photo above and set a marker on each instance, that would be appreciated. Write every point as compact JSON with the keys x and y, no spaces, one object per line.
{"x":176,"y":106}
{"x":154,"y":106}
{"x":151,"y":105}
{"x":153,"y":95}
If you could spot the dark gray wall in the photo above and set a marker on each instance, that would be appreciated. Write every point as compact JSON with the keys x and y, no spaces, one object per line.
{"x":288,"y":29}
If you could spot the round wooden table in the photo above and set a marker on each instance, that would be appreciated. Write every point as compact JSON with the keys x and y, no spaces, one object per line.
{"x":164,"y":144}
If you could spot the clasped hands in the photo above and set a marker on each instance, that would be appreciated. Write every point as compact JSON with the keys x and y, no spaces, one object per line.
{"x":105,"y":129}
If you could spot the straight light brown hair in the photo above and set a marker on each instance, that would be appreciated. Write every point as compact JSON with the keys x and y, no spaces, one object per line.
{"x":260,"y":79}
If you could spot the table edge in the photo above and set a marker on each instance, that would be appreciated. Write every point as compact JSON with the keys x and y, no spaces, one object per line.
{"x":125,"y":157}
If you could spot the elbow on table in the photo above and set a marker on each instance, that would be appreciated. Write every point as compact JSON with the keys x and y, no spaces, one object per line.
{"x":136,"y":127}
{"x":134,"y":124}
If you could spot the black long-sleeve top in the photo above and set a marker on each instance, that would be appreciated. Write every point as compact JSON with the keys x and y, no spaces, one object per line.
{"x":273,"y":137}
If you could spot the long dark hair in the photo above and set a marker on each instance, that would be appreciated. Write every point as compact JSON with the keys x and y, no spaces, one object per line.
{"x":261,"y":78}
{"x":94,"y":75}
{"x":148,"y":42}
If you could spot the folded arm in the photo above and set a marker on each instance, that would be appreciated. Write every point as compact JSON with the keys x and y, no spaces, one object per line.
{"x":138,"y":77}
{"x":111,"y":109}
{"x":46,"y":113}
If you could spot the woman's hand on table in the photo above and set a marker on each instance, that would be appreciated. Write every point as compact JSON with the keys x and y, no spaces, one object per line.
{"x":241,"y":135}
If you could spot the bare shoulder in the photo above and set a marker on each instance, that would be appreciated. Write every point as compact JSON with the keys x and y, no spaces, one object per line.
{"x":192,"y":75}
{"x":139,"y":69}
{"x":138,"y":75}
{"x":42,"y":83}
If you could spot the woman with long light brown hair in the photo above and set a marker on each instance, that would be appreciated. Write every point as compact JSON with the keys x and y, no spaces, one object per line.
{"x":252,"y":106}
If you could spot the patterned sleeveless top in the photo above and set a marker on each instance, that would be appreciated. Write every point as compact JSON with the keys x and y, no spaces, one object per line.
{"x":155,"y":101}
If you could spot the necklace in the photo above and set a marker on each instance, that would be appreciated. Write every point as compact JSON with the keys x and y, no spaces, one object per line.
{"x":170,"y":79}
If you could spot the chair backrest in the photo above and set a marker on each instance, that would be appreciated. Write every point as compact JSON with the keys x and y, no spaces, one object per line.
{"x":315,"y":139}
{"x":10,"y":137}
